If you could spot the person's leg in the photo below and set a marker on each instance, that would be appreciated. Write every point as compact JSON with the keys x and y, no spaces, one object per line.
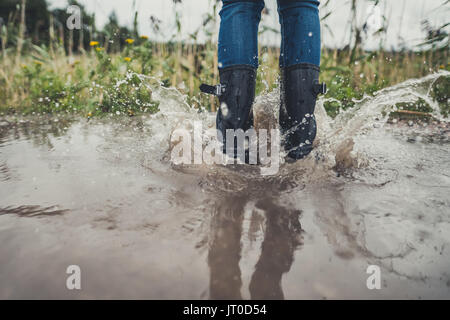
{"x":300,"y":31}
{"x":238,"y":35}
{"x":238,"y":61}
{"x":299,"y":64}
{"x":224,"y":253}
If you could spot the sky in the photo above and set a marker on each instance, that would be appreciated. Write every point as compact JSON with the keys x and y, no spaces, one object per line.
{"x":404,"y":18}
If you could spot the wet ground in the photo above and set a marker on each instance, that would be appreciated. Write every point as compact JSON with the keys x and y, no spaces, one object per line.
{"x":104,"y":195}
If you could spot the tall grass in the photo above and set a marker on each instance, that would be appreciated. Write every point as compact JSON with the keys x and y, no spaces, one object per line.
{"x":51,"y":78}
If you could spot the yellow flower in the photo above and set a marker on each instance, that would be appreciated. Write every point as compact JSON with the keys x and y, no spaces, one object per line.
{"x":144,"y":37}
{"x":93,"y":43}
{"x":89,"y":114}
{"x":38,"y":63}
{"x":98,"y":49}
{"x":127,"y":59}
{"x":442,"y":66}
{"x":130,"y":41}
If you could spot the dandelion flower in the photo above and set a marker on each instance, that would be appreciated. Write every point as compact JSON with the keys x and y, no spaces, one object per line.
{"x":93,"y":43}
{"x":98,"y":49}
{"x":127,"y":59}
{"x":38,"y":63}
{"x":129,"y":41}
{"x":144,"y":37}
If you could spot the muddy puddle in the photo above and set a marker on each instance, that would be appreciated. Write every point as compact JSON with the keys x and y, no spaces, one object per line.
{"x":104,"y":195}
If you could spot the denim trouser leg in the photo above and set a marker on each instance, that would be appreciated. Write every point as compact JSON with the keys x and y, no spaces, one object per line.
{"x":238,"y":36}
{"x":300,"y":32}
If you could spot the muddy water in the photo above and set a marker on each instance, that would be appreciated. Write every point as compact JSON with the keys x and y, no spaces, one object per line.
{"x":104,"y":195}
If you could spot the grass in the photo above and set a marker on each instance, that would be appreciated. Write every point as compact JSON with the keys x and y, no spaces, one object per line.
{"x":47,"y":80}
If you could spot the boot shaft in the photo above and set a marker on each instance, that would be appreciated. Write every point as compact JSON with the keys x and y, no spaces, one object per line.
{"x":237,"y":99}
{"x":299,"y":87}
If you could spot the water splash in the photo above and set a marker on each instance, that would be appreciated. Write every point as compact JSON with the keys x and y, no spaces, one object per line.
{"x":335,"y":147}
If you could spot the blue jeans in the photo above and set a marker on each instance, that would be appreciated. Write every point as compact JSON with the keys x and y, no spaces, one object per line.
{"x":300,"y":32}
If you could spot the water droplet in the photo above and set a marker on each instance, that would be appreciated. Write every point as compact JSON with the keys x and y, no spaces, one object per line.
{"x":310,"y":34}
{"x":224,"y":109}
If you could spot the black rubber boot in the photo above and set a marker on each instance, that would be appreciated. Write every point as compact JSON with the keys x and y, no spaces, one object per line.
{"x":236,"y":94}
{"x":299,"y":90}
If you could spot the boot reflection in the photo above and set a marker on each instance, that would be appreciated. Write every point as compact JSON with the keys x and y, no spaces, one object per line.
{"x":282,"y":237}
{"x":225,"y":249}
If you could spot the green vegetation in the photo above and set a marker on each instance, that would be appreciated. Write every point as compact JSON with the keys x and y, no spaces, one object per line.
{"x":93,"y":72}
{"x":440,"y":93}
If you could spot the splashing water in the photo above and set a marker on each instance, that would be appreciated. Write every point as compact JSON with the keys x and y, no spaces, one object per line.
{"x":335,"y":146}
{"x":105,"y":195}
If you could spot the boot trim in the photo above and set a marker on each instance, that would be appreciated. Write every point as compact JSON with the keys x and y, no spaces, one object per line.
{"x":220,"y":89}
{"x":238,"y":67}
{"x":302,"y":66}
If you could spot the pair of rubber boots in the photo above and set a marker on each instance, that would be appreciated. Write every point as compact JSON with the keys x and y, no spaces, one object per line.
{"x":299,"y":90}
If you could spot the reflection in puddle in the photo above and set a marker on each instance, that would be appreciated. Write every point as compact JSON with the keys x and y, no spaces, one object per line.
{"x":32,"y":211}
{"x":283,"y":235}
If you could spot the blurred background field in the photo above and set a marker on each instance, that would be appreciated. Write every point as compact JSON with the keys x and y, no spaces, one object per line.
{"x":47,"y":68}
